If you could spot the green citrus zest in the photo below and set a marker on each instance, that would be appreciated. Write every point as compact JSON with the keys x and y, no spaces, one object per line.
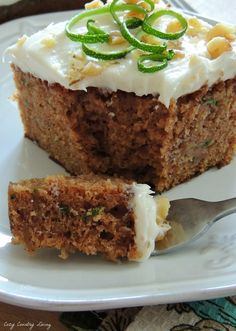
{"x":161,"y":59}
{"x":164,"y":35}
{"x":136,"y":17}
{"x":105,"y":55}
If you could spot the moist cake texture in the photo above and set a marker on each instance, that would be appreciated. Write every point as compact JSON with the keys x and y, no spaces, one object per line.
{"x":123,"y":134}
{"x":90,"y":214}
{"x":108,"y":117}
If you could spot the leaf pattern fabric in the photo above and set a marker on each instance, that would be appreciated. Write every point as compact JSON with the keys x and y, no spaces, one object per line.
{"x":208,"y":315}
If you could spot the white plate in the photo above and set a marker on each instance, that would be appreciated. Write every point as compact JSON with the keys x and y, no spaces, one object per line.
{"x":205,"y":270}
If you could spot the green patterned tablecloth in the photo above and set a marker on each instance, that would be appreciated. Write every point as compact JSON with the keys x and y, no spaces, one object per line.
{"x":211,"y":315}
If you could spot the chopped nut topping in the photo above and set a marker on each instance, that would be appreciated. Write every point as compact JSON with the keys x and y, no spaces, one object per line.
{"x":195,"y":26}
{"x":79,"y":56}
{"x":173,"y":26}
{"x":178,"y":55}
{"x":163,"y":206}
{"x":116,"y":38}
{"x":135,"y":14}
{"x":163,"y":209}
{"x":21,"y":40}
{"x":221,"y":30}
{"x":144,"y":4}
{"x":132,"y":1}
{"x":136,"y":54}
{"x":94,"y":4}
{"x":195,"y":23}
{"x":91,"y":69}
{"x":76,"y":65}
{"x":174,"y":44}
{"x":49,"y":42}
{"x":147,"y":38}
{"x":218,"y":46}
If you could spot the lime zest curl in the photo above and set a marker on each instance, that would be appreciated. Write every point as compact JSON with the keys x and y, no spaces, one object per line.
{"x":105,"y":55}
{"x":161,"y":59}
{"x":163,"y":35}
{"x":142,"y":22}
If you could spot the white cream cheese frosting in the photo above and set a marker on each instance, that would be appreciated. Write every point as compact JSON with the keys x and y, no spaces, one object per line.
{"x":147,"y":229}
{"x":50,"y":55}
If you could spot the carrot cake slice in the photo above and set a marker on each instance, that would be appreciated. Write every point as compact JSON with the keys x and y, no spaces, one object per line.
{"x":131,"y":88}
{"x":90,"y":214}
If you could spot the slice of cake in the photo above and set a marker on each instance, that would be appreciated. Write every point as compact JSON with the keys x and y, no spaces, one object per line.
{"x":90,"y":214}
{"x":132,"y":104}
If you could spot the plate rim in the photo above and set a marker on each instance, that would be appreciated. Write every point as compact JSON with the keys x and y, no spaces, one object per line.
{"x":113,"y":301}
{"x":150,"y":296}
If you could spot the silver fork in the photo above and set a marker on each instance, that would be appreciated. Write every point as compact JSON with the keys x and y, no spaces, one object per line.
{"x":181,"y":4}
{"x":190,"y":219}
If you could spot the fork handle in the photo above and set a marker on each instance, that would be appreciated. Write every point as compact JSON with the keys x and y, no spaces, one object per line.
{"x":224,"y":208}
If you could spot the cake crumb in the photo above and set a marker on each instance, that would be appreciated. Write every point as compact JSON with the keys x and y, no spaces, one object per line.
{"x":111,"y":114}
{"x":63,"y":254}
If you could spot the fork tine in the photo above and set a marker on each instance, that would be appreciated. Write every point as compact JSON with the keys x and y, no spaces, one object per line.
{"x":182,"y":4}
{"x":190,"y":219}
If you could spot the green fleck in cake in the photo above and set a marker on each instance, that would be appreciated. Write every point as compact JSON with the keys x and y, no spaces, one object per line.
{"x":139,"y":91}
{"x":89,"y":214}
